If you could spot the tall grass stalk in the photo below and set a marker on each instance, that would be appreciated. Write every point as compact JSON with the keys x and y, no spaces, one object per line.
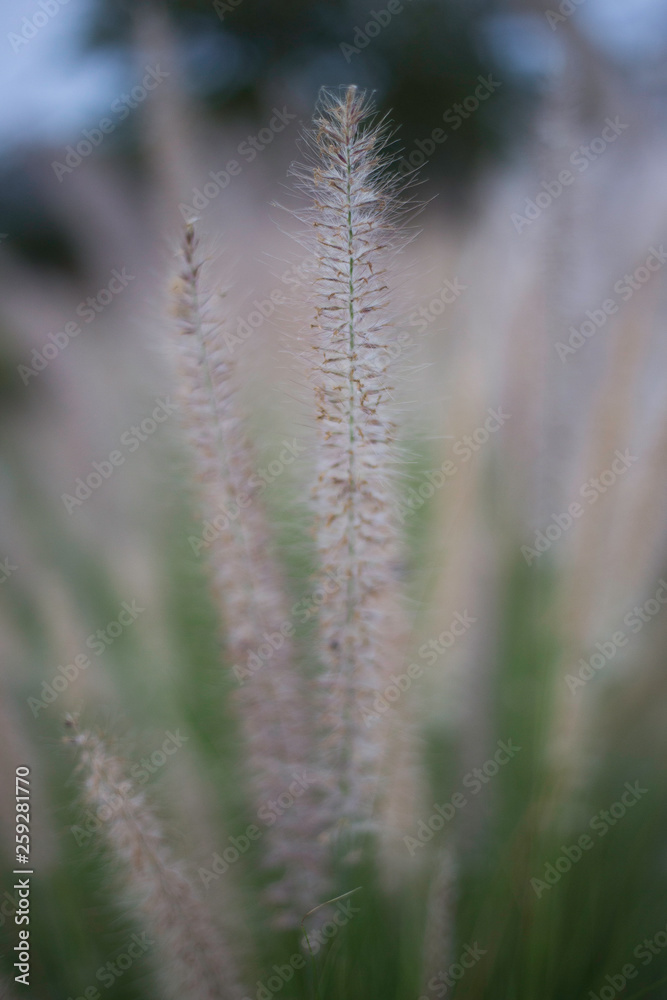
{"x":192,"y":957}
{"x":250,"y":589}
{"x":352,"y":211}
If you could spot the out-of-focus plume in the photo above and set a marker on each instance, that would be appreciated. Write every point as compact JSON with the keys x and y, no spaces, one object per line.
{"x":250,"y":591}
{"x":439,"y":932}
{"x":194,"y":960}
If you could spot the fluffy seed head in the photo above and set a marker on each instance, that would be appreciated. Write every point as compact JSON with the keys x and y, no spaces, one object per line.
{"x":351,"y":229}
{"x":193,"y":959}
{"x":250,"y":591}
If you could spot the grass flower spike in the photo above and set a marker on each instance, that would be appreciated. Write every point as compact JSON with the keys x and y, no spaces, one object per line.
{"x":352,"y":232}
{"x":249,"y":588}
{"x":192,"y":956}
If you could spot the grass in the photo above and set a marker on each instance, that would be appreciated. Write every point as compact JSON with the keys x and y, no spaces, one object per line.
{"x":560,"y":946}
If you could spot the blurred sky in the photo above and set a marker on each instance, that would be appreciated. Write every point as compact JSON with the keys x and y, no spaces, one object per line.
{"x":53,"y":85}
